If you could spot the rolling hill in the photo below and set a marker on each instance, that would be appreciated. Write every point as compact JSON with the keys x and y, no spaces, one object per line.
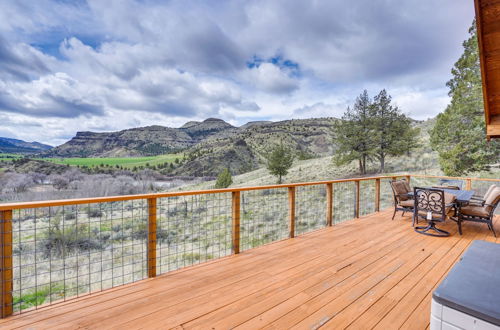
{"x":8,"y":145}
{"x":211,"y":145}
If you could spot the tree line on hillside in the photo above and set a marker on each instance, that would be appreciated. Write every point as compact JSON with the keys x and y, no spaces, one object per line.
{"x":372,"y":130}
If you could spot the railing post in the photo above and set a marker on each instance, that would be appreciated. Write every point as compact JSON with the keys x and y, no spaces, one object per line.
{"x":236,"y":221}
{"x":291,"y":210}
{"x":356,"y":205}
{"x":6,"y":271}
{"x":152,"y":209}
{"x":377,"y":195}
{"x":329,"y":204}
{"x":408,"y":178}
{"x":468,"y":184}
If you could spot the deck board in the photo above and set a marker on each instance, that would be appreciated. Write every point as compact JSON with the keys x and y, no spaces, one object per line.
{"x":366,"y":273}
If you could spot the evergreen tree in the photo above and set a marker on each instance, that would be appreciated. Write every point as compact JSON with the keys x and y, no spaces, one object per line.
{"x":353,"y":134}
{"x":392,"y":130}
{"x":279,"y":161}
{"x":224,"y":179}
{"x":459,"y":134}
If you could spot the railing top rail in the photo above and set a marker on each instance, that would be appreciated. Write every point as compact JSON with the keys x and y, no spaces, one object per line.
{"x":93,"y":200}
{"x":454,"y":177}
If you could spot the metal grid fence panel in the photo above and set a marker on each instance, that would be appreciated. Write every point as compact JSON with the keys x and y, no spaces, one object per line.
{"x":310,"y":203}
{"x":366,"y":197}
{"x":264,"y":217}
{"x":69,"y":251}
{"x":344,"y":201}
{"x":480,"y":188}
{"x":386,"y":194}
{"x":192,"y":229}
{"x":424,"y":182}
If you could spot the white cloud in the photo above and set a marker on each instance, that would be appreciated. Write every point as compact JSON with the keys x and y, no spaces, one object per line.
{"x":184,"y":59}
{"x":270,"y":78}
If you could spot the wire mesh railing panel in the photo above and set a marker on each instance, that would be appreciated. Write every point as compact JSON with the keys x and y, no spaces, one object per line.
{"x":386,"y":194}
{"x":425,"y":182}
{"x":366,"y":197}
{"x":192,"y":229}
{"x":264,"y":217}
{"x":68,"y":251}
{"x":481,"y":187}
{"x":310,"y":212}
{"x":344,"y":201}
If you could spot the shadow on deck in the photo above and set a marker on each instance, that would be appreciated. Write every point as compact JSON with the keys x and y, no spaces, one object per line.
{"x":366,"y":273}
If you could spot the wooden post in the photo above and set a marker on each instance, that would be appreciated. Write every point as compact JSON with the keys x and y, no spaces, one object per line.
{"x":356,"y":210}
{"x":291,"y":210}
{"x":468,"y":184}
{"x":329,"y":204}
{"x":6,"y":271}
{"x":236,"y":221}
{"x":377,"y":195}
{"x":408,"y":178}
{"x":152,"y":237}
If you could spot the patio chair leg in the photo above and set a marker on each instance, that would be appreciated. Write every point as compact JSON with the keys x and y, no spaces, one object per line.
{"x":403,"y":214}
{"x":490,"y":225}
{"x":459,"y":226}
{"x":430,"y":229}
{"x":394,"y":214}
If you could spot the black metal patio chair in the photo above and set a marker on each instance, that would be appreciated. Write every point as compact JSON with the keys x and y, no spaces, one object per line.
{"x":480,"y":212}
{"x":402,"y":200}
{"x":432,"y":205}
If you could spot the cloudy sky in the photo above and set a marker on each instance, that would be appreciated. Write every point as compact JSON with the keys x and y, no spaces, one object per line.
{"x":68,"y":66}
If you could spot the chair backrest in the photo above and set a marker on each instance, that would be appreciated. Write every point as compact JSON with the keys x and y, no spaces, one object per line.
{"x":488,"y":192}
{"x":493,"y":200}
{"x":399,"y":191}
{"x":407,"y":186}
{"x":431,"y":203}
{"x":451,"y":183}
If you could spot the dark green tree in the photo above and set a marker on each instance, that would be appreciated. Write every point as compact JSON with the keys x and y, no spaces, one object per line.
{"x":393,"y":133}
{"x":224,"y":179}
{"x":353,"y":134}
{"x":459,"y":134}
{"x":279,"y":161}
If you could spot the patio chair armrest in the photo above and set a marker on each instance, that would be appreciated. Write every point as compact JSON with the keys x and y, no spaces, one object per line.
{"x":405,"y":195}
{"x":476,"y":203}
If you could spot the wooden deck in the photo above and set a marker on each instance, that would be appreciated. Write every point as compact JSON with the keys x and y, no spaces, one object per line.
{"x":366,"y":273}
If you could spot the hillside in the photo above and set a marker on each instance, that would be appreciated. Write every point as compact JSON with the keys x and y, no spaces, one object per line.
{"x":212,"y":145}
{"x":8,"y":145}
{"x":143,"y":141}
{"x":244,"y":149}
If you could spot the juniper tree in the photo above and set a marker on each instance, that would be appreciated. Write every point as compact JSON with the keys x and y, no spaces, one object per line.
{"x":224,"y":179}
{"x":279,"y":161}
{"x":459,"y":134}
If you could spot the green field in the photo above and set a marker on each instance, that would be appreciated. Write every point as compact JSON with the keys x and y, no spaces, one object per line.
{"x":127,"y":162}
{"x":4,"y":157}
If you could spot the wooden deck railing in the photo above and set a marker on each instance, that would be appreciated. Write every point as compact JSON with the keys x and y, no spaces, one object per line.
{"x":13,"y":276}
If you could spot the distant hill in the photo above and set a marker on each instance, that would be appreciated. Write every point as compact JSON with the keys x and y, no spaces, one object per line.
{"x":245,"y":148}
{"x":8,"y":145}
{"x":143,"y":141}
{"x":211,"y":145}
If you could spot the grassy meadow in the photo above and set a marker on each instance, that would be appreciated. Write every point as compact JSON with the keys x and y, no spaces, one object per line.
{"x":126,"y":162}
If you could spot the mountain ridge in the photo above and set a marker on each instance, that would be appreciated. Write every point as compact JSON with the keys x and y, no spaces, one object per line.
{"x":9,"y":145}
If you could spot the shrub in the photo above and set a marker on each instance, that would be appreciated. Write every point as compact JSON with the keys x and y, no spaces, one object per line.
{"x":224,"y":179}
{"x":64,"y":240}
